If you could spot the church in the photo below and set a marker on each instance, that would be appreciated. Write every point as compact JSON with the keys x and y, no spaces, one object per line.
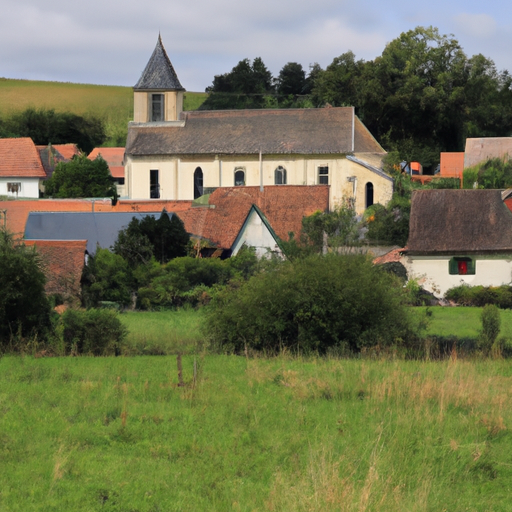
{"x":176,"y":155}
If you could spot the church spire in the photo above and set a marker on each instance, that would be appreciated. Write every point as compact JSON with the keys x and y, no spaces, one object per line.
{"x":159,"y":73}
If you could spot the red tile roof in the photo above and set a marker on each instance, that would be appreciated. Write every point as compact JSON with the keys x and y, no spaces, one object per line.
{"x":219,"y":222}
{"x":68,"y":151}
{"x":19,"y":158}
{"x":114,"y":158}
{"x":63,"y":262}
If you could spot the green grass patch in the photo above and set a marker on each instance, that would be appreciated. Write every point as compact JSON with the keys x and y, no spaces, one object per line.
{"x":163,"y":332}
{"x":85,"y":434}
{"x":462,"y":322}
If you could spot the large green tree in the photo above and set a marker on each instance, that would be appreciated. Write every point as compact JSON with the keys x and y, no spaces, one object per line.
{"x":81,"y":177}
{"x":24,"y":308}
{"x":47,"y":126}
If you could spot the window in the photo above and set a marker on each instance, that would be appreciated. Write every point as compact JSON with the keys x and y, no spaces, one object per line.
{"x":198,"y":182}
{"x":14,"y":188}
{"x":323,"y":175}
{"x":280,"y":176}
{"x":154,"y":185}
{"x":462,"y":266}
{"x":239,"y":177}
{"x":157,"y":107}
{"x":369,"y":194}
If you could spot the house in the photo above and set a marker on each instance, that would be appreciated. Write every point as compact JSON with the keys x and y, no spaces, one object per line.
{"x":478,"y":150}
{"x":171,"y":154}
{"x":114,"y":158}
{"x":21,"y":169}
{"x":459,"y":237}
{"x":52,"y":154}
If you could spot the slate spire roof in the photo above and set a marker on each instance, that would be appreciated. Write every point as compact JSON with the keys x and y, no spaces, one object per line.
{"x":159,"y":73}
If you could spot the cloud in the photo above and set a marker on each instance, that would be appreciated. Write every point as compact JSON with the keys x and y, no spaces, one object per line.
{"x":475,"y":25}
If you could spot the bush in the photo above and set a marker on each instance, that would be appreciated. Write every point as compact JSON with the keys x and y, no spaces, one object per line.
{"x":491,"y":323}
{"x":479,"y":296}
{"x":24,"y":308}
{"x":95,"y":331}
{"x":313,"y":304}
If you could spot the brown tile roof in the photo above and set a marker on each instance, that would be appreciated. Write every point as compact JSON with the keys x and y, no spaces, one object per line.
{"x":114,"y":158}
{"x":68,"y":151}
{"x":63,"y":262}
{"x":288,"y":131}
{"x":20,"y":158}
{"x":390,"y":257}
{"x":459,"y":222}
{"x":219,"y":222}
{"x":283,"y":206}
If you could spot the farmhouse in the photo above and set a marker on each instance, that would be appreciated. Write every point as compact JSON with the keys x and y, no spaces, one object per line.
{"x":460,"y":237}
{"x":171,"y":154}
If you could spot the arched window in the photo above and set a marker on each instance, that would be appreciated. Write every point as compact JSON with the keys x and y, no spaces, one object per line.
{"x":280,"y":176}
{"x":198,"y":182}
{"x":239,"y":177}
{"x":369,"y":194}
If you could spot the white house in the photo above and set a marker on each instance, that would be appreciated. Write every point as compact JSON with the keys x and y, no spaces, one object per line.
{"x":21,"y":170}
{"x":459,"y":237}
{"x":171,"y":154}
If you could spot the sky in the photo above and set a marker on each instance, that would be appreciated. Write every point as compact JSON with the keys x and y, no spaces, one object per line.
{"x":109,"y":42}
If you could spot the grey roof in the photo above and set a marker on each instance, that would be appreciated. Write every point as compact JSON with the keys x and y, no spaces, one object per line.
{"x":159,"y":73}
{"x":370,"y":167}
{"x":459,"y":222}
{"x":276,"y":131}
{"x":98,"y":228}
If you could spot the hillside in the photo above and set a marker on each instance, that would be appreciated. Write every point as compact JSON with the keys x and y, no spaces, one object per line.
{"x":113,"y":104}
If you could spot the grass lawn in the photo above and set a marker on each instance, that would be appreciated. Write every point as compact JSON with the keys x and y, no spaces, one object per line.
{"x":118,"y":434}
{"x":463,"y":322}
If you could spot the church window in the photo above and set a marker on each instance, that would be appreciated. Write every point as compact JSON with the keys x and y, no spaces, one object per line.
{"x":154,"y":185}
{"x":280,"y":176}
{"x":157,"y":107}
{"x":369,"y":194}
{"x":239,"y":177}
{"x":323,"y":175}
{"x":198,"y":182}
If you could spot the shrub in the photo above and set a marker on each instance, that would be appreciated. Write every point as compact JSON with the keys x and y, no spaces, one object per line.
{"x":95,"y":331}
{"x":24,"y":308}
{"x":479,"y":296}
{"x":313,"y":304}
{"x":491,"y":323}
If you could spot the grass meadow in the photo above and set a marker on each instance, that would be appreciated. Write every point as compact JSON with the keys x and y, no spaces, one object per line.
{"x":112,"y":104}
{"x":254,"y":434}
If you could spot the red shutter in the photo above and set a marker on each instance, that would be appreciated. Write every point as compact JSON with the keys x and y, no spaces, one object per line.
{"x":463,"y":268}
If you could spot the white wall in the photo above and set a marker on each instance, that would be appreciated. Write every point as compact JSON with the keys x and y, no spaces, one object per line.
{"x":257,"y":235}
{"x":29,"y":187}
{"x":433,"y":273}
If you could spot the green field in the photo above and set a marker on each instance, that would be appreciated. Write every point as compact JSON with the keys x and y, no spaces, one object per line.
{"x":282,"y":434}
{"x":112,"y":104}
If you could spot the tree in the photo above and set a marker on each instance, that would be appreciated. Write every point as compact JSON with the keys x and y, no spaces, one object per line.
{"x":313,"y":304}
{"x":24,"y":308}
{"x":47,"y":126}
{"x":291,"y":80}
{"x":81,"y":177}
{"x":163,"y":239}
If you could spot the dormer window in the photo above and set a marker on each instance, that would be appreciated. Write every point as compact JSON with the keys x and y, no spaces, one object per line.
{"x":157,"y":107}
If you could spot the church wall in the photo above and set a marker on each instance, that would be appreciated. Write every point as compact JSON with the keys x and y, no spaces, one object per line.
{"x":176,"y":175}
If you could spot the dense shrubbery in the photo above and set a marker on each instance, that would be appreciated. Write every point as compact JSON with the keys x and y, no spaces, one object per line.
{"x":24,"y":308}
{"x":480,"y":296}
{"x":95,"y":331}
{"x":312,"y":304}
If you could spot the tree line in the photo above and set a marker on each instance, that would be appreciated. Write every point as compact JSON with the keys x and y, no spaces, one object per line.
{"x":421,"y":96}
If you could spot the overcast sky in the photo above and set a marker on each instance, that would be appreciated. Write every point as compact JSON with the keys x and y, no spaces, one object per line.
{"x":110,"y":41}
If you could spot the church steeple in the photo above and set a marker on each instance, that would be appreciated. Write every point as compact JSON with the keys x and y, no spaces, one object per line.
{"x":158,"y":95}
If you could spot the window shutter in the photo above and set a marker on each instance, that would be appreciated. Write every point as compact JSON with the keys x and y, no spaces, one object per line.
{"x":453,"y":266}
